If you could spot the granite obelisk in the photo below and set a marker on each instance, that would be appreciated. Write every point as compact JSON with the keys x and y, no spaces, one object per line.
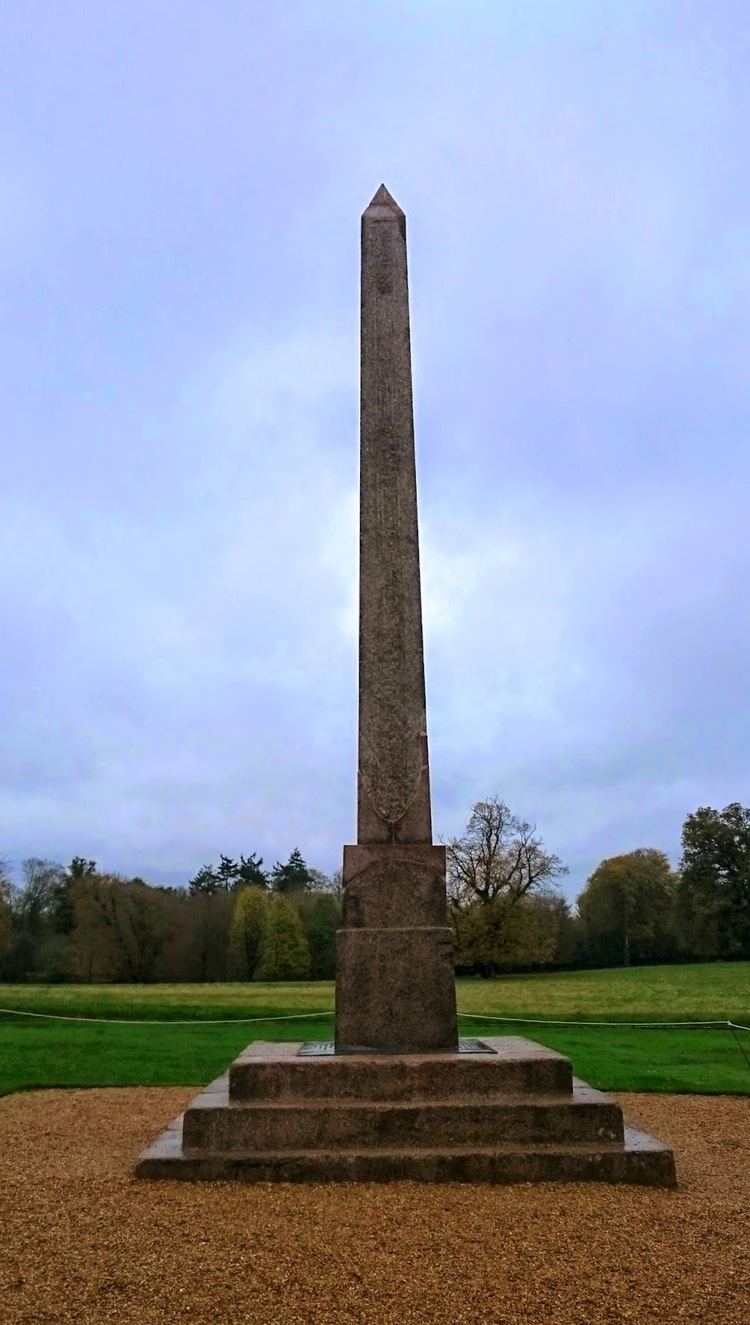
{"x":398,"y":1096}
{"x":395,"y":985}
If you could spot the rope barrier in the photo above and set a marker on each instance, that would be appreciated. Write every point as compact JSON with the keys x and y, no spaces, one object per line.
{"x":201,"y":1021}
{"x":309,"y":1016}
{"x":638,"y":1025}
{"x":731,"y":1026}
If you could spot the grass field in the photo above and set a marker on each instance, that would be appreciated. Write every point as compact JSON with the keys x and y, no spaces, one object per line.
{"x":44,"y":1052}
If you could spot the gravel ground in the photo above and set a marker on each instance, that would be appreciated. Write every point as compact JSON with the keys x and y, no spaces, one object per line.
{"x":81,"y":1241}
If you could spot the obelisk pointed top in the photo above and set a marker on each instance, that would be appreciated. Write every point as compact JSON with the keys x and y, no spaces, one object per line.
{"x":383,"y":198}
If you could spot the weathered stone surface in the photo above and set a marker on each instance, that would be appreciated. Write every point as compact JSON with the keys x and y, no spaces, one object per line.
{"x":209,"y":1124}
{"x":394,"y":789}
{"x":641,"y":1160}
{"x":517,"y":1067}
{"x":393,"y":887}
{"x":395,"y":983}
{"x":509,"y":1116}
{"x":394,"y":980}
{"x":395,"y":991}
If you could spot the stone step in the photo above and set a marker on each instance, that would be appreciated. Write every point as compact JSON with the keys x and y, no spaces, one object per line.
{"x":641,"y":1159}
{"x":213,"y":1122}
{"x":515,"y":1067}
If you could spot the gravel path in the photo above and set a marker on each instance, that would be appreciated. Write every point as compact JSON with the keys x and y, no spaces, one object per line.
{"x":81,"y":1241}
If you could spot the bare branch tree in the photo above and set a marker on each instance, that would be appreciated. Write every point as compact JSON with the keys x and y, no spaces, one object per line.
{"x":499,"y":855}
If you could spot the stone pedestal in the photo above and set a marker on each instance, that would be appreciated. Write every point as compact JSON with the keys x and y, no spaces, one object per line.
{"x":511,"y":1112}
{"x":395,"y":988}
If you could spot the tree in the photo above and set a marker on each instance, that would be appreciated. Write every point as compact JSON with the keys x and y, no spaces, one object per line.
{"x":246,"y":932}
{"x":292,"y":877}
{"x":230,"y":874}
{"x":7,"y":926}
{"x":53,"y":959}
{"x":144,"y":926}
{"x":208,"y":919}
{"x":95,"y":958}
{"x":320,"y":913}
{"x":226,"y":872}
{"x":713,"y":897}
{"x":284,"y":954}
{"x":62,"y":917}
{"x":205,"y":881}
{"x":40,"y":881}
{"x":500,"y":856}
{"x":556,"y":918}
{"x":120,"y":928}
{"x":250,"y":872}
{"x":7,"y":934}
{"x":33,"y":905}
{"x":318,"y":881}
{"x":626,"y":909}
{"x":510,"y":935}
{"x":80,"y":868}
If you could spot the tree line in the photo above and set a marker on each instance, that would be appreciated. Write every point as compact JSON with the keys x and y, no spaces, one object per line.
{"x":634,"y":909}
{"x":237,"y":921}
{"x":232,"y":921}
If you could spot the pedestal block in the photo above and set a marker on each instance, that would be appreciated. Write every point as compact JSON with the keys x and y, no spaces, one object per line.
{"x":509,"y":1113}
{"x":395,"y":986}
{"x":517,"y":1067}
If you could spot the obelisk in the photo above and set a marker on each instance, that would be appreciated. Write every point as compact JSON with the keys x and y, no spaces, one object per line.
{"x":395,"y":982}
{"x":398,"y":1098}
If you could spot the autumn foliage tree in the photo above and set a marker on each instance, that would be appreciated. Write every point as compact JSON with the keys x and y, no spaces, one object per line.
{"x":506,"y":935}
{"x":121,"y":927}
{"x":499,"y":856}
{"x":505,"y":913}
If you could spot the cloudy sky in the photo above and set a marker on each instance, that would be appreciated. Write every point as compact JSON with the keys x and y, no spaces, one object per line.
{"x":180,"y":190}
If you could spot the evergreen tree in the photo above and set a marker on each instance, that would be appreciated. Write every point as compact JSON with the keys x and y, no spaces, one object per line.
{"x":62,"y":917}
{"x":80,"y":868}
{"x":205,"y":881}
{"x":284,"y":954}
{"x":226,"y":872}
{"x":246,"y":932}
{"x":250,"y":872}
{"x":293,"y":877}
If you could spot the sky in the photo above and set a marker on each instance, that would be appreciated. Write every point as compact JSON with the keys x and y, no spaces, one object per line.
{"x":180,"y":192}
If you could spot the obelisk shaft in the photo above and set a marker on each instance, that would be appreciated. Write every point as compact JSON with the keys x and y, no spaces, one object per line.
{"x":394,"y":780}
{"x":395,"y":989}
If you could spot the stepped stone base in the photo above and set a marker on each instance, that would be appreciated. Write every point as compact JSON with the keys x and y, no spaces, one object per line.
{"x":510,"y":1114}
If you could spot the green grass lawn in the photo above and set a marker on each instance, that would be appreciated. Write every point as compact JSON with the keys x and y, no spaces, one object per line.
{"x":37,"y":1053}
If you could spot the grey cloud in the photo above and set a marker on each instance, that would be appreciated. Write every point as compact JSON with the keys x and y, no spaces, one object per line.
{"x":179,"y":359}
